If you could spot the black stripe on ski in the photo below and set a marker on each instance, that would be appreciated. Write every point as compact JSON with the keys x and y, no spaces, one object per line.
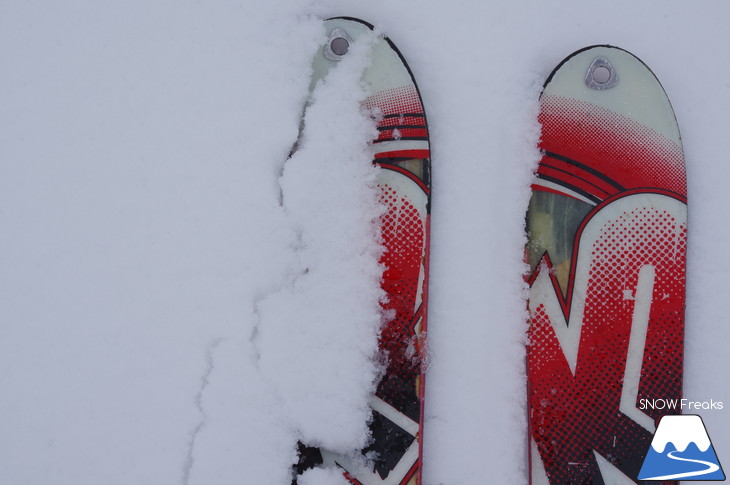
{"x":417,"y":138}
{"x":405,"y":115}
{"x":575,"y":189}
{"x":399,"y":127}
{"x":576,"y":176}
{"x":585,"y":167}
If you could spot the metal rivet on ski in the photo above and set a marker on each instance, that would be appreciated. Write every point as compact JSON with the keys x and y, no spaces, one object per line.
{"x":340,"y":46}
{"x":601,"y":74}
{"x":337,"y":45}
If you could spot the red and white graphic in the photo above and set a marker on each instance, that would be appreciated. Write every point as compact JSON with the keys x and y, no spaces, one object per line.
{"x":607,"y":242}
{"x":401,"y":150}
{"x":402,"y":153}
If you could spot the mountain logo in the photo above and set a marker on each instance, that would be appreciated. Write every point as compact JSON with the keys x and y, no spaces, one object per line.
{"x":681,"y":449}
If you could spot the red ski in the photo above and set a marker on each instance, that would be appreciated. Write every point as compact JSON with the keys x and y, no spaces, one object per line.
{"x":607,"y":229}
{"x":402,"y":151}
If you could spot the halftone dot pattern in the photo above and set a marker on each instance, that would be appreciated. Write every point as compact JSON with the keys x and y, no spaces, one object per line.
{"x":403,"y":233}
{"x":621,"y":149}
{"x":395,"y":101}
{"x":608,"y":156}
{"x":391,"y":108}
{"x":573,"y":415}
{"x":646,"y":236}
{"x":401,"y":150}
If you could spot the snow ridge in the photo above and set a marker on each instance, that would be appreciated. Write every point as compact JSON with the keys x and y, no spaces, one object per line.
{"x":204,"y":383}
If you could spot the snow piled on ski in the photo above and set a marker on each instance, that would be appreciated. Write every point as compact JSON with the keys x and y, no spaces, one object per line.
{"x":317,"y":333}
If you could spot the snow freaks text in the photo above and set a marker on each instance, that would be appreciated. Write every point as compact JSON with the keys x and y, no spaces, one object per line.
{"x":683,"y":404}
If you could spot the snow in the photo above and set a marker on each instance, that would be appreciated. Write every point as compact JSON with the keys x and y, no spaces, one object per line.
{"x":150,"y":268}
{"x":322,"y":477}
{"x":317,"y":333}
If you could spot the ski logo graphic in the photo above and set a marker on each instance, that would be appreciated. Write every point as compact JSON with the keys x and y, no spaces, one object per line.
{"x":592,"y":350}
{"x":681,"y":449}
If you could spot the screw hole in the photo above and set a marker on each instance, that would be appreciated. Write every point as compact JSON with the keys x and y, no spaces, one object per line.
{"x":601,"y":75}
{"x":340,"y":46}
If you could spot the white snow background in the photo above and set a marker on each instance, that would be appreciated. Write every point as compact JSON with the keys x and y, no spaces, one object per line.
{"x":179,"y":304}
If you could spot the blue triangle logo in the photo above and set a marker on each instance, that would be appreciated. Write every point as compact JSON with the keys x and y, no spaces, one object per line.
{"x":681,"y":450}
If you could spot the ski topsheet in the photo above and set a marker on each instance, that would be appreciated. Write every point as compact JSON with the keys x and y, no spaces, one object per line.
{"x":401,"y":150}
{"x":607,"y":231}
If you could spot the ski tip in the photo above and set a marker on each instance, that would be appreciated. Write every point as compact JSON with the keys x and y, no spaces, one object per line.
{"x":595,"y":48}
{"x":344,"y":29}
{"x":614,"y":79}
{"x":353,"y":19}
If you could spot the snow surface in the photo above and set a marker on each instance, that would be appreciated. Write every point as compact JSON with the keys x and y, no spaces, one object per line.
{"x":167,"y":300}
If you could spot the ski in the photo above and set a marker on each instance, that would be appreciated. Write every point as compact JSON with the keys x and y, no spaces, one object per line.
{"x":607,"y":232}
{"x":402,"y":151}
